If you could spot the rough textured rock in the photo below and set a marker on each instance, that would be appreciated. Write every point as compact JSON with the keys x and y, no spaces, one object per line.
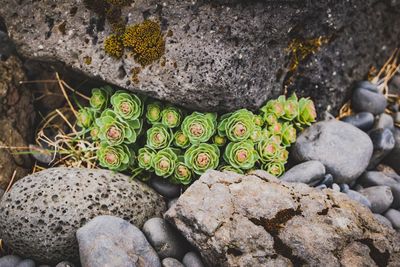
{"x":41,"y":213}
{"x":111,"y":241}
{"x":258,"y":220}
{"x":222,"y":54}
{"x":344,"y":149}
{"x":16,"y":120}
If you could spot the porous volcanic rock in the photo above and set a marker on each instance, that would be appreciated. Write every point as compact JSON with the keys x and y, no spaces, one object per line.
{"x":258,"y":220}
{"x":220,"y":55}
{"x":41,"y":213}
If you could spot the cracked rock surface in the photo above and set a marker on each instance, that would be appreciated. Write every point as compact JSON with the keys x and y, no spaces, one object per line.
{"x":223,"y":54}
{"x":257,"y":220}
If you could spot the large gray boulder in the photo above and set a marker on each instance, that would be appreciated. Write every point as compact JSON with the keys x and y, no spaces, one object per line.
{"x":222,"y":54}
{"x":258,"y":220}
{"x":111,"y":241}
{"x":343,"y":149}
{"x":41,"y":213}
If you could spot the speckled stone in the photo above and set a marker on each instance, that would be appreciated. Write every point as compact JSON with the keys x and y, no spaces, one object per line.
{"x":41,"y":213}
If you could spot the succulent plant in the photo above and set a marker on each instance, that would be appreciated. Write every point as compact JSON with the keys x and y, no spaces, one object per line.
{"x":164,"y":162}
{"x":288,"y":134}
{"x":275,"y":107}
{"x":171,"y":117}
{"x":267,"y":150}
{"x":282,"y":155}
{"x":219,"y":140}
{"x":182,"y":173}
{"x":153,"y":112}
{"x":230,"y":169}
{"x":307,"y":113}
{"x":241,"y":155}
{"x":291,"y":107}
{"x":145,"y":155}
{"x":202,"y":157}
{"x":127,"y":106}
{"x":158,"y":136}
{"x":199,"y":127}
{"x":115,"y":131}
{"x":270,"y":118}
{"x":258,"y":120}
{"x":181,"y":140}
{"x":275,"y":129}
{"x":116,"y":158}
{"x":237,"y":126}
{"x":257,"y":134}
{"x":85,"y":117}
{"x":274,"y":168}
{"x":100,"y":97}
{"x":94,"y":132}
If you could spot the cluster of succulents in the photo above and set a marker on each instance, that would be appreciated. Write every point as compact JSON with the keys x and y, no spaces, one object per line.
{"x":142,"y":136}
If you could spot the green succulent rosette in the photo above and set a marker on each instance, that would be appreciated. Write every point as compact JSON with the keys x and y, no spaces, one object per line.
{"x":276,"y":107}
{"x":202,"y":157}
{"x":277,"y":139}
{"x":282,"y":155}
{"x":158,"y":136}
{"x":275,"y":129}
{"x":182,"y":173}
{"x":241,"y":155}
{"x":116,"y":158}
{"x":199,"y":127}
{"x":153,"y":112}
{"x":270,"y":118}
{"x":274,"y":168}
{"x":171,"y":117}
{"x":288,"y":134}
{"x":100,"y":97}
{"x":164,"y":162}
{"x":307,"y":113}
{"x":115,"y":131}
{"x":94,"y":132}
{"x":237,"y":126}
{"x":145,"y":156}
{"x":257,"y":135}
{"x":291,"y":107}
{"x":230,"y":168}
{"x":267,"y":150}
{"x":85,"y":117}
{"x":219,"y":140}
{"x":126,"y":105}
{"x":181,"y":140}
{"x":258,"y":120}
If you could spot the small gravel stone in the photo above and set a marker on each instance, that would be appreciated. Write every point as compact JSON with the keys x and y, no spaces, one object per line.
{"x":393,"y":159}
{"x":336,"y":187}
{"x":358,"y":187}
{"x":368,"y":100}
{"x":309,"y":172}
{"x":26,"y":263}
{"x":394,"y":217}
{"x":192,"y":259}
{"x":359,"y":198}
{"x":383,"y":141}
{"x":321,"y":186}
{"x":384,"y":121}
{"x":171,"y":262}
{"x":362,"y":120}
{"x":344,"y":188}
{"x":328,"y":180}
{"x":367,"y":85}
{"x":165,"y":188}
{"x":165,"y":239}
{"x":65,"y":264}
{"x":9,"y":261}
{"x":383,"y":220}
{"x":381,"y":197}
{"x":397,"y":117}
{"x":172,"y":202}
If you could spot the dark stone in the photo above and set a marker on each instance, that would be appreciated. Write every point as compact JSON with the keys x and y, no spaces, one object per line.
{"x":165,"y":239}
{"x":343,"y":149}
{"x":383,"y":141}
{"x":172,"y":202}
{"x":367,"y":85}
{"x":165,"y":188}
{"x":368,"y":101}
{"x":7,"y":47}
{"x":393,"y":159}
{"x":26,"y":263}
{"x":309,"y":172}
{"x":359,"y":198}
{"x":223,"y":54}
{"x":384,"y":121}
{"x":344,"y":188}
{"x":10,"y":261}
{"x":51,"y":205}
{"x":362,"y":120}
{"x":171,"y":262}
{"x":381,"y":197}
{"x":192,"y":259}
{"x":394,"y":217}
{"x":328,"y":180}
{"x":111,"y":241}
{"x":65,"y":264}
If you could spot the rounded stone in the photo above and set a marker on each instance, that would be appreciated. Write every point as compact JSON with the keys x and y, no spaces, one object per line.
{"x":343,"y":149}
{"x":328,"y":180}
{"x":65,"y":264}
{"x":394,"y":217}
{"x":383,"y":142}
{"x":41,"y":213}
{"x":367,"y":85}
{"x":383,"y":220}
{"x":362,"y":120}
{"x":166,"y":240}
{"x":393,"y":159}
{"x":171,"y":262}
{"x":381,"y":197}
{"x":368,"y":100}
{"x":344,"y":188}
{"x":9,"y":261}
{"x":192,"y":259}
{"x":384,"y":121}
{"x":112,"y":241}
{"x":165,"y":188}
{"x":359,"y":198}
{"x":309,"y":172}
{"x":26,"y":263}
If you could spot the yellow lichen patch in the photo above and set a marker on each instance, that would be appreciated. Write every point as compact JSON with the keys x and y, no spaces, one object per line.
{"x":135,"y":74}
{"x":146,"y":41}
{"x":87,"y":60}
{"x":113,"y":46}
{"x":120,"y":2}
